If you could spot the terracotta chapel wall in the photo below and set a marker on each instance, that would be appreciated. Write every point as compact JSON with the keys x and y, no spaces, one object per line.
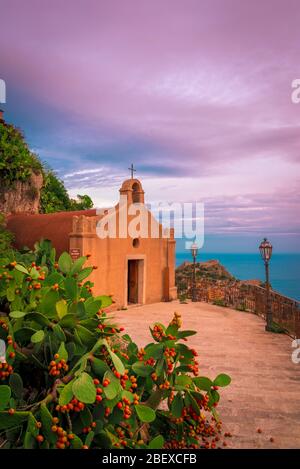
{"x":111,"y":256}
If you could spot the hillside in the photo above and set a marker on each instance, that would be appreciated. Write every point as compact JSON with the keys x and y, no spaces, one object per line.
{"x":27,"y":184}
{"x":211,"y":269}
{"x":209,"y":274}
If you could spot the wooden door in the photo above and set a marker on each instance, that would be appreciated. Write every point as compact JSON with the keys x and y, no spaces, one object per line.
{"x":132,"y":281}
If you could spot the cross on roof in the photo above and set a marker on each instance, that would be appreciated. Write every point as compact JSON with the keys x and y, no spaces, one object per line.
{"x":132,"y":170}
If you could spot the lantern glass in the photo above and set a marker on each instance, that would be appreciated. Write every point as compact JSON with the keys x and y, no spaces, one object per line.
{"x":194,"y":250}
{"x":266,"y":249}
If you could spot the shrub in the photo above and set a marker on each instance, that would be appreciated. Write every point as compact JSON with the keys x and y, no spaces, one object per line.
{"x":16,"y":160}
{"x":277,"y":328}
{"x":55,"y":197}
{"x":6,"y":237}
{"x":83,"y":202}
{"x":183,"y":298}
{"x":219,"y":302}
{"x":71,"y":380}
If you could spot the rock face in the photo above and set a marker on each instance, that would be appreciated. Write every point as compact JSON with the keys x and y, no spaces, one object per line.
{"x":209,"y":269}
{"x":23,"y":196}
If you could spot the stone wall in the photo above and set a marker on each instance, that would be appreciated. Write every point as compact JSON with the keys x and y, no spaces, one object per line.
{"x":249,"y":297}
{"x":22,"y":197}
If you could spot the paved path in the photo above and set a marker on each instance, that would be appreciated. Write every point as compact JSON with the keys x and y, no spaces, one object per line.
{"x":265,"y":388}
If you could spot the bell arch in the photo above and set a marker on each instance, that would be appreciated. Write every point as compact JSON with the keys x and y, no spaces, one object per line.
{"x":133,"y":189}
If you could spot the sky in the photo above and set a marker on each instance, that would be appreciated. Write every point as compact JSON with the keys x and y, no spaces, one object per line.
{"x":195,"y":93}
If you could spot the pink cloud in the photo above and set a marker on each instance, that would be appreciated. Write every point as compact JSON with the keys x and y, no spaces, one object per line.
{"x":207,"y":82}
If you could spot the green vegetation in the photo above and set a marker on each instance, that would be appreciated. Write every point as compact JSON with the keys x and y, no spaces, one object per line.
{"x":55,"y":198}
{"x":277,"y":329}
{"x":54,"y":195}
{"x":17,"y":163}
{"x":16,"y":160}
{"x":71,"y":380}
{"x":83,"y":202}
{"x":6,"y":237}
{"x":182,"y":298}
{"x":219,"y":302}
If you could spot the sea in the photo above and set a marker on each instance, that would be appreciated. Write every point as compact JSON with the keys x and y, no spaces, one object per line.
{"x":284,"y":268}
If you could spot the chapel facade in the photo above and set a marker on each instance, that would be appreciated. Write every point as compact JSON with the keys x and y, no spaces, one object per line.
{"x":134,"y":270}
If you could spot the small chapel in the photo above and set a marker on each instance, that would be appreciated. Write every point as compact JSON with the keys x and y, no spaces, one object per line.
{"x":134,"y":271}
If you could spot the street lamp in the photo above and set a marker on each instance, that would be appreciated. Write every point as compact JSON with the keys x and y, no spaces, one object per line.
{"x":265,"y":249}
{"x":194,"y":251}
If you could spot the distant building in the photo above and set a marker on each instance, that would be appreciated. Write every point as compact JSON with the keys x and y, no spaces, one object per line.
{"x":134,"y":270}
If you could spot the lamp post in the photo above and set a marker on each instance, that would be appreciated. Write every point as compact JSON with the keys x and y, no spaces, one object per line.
{"x":266,"y":253}
{"x":194,"y":251}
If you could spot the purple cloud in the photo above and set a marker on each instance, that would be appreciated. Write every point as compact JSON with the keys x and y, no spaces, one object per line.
{"x":197,"y":93}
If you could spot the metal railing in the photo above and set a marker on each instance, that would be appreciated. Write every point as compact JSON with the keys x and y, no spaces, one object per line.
{"x":250,"y":298}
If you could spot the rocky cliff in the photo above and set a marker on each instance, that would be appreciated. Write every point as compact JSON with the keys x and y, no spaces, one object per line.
{"x":22,"y":196}
{"x":209,"y":269}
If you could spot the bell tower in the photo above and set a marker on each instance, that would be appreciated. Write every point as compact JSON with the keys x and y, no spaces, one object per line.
{"x":133,"y":189}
